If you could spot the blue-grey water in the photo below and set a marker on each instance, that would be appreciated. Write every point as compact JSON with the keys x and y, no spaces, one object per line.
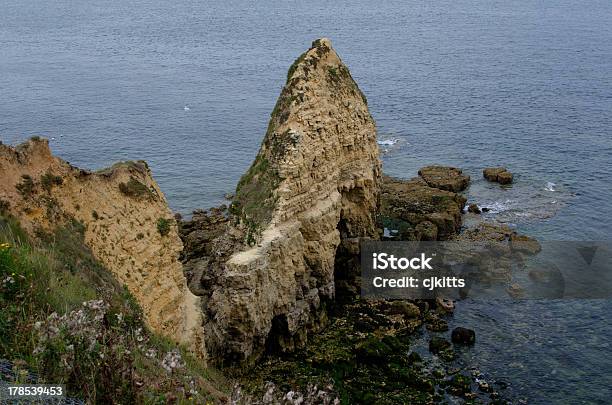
{"x":189,"y":85}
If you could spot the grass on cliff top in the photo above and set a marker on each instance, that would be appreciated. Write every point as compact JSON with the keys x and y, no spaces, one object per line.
{"x":65,"y":318}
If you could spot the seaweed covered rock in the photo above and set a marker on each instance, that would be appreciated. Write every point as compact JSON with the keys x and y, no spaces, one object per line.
{"x":499,"y":175}
{"x":427,"y":213}
{"x":445,"y":178}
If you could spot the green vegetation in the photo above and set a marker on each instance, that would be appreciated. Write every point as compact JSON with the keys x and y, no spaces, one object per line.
{"x":294,"y":65}
{"x":48,"y":180}
{"x":135,"y":189}
{"x":333,"y":72}
{"x":163,"y":226}
{"x":65,"y":317}
{"x":255,"y":200}
{"x":26,"y":187}
{"x":35,"y":138}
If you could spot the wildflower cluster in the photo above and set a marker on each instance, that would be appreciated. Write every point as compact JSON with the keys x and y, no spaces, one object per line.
{"x":13,"y":278}
{"x":94,"y":343}
{"x":313,"y":395}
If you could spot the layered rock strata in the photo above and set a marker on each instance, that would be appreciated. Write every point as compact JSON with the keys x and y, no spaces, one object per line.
{"x":127,"y":225}
{"x":267,"y":273}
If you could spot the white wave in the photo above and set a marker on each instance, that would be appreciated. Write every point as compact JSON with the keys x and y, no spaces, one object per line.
{"x":186,"y":108}
{"x":497,"y":207}
{"x":388,"y":142}
{"x":550,"y":186}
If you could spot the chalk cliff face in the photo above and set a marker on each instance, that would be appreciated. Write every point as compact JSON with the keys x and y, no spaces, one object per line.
{"x":127,"y":225}
{"x":314,"y":182}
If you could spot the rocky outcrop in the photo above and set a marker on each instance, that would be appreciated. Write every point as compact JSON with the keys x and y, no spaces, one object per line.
{"x":498,"y":174}
{"x":314,"y":181}
{"x":419,"y":211}
{"x":127,"y":225}
{"x":445,"y":178}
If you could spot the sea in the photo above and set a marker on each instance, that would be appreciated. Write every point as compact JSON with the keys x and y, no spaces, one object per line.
{"x":189,"y":85}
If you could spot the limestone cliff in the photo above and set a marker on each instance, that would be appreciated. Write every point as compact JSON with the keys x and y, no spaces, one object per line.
{"x":127,"y":225}
{"x":315,"y":179}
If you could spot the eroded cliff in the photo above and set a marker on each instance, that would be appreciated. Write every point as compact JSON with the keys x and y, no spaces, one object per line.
{"x":126,"y":221}
{"x":266,"y":269}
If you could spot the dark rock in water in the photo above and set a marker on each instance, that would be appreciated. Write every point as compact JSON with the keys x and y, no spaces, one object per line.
{"x":460,"y":384}
{"x":445,"y":178}
{"x":473,"y":208}
{"x":407,"y":309}
{"x":485,"y":209}
{"x":491,"y":173}
{"x":498,"y":174}
{"x":438,"y":344}
{"x":420,"y":206}
{"x":463,"y":336}
{"x":505,"y":178}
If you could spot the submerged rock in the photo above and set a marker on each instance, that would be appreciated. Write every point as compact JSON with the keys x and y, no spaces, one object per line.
{"x":474,"y":209}
{"x":463,"y":336}
{"x":438,"y":344}
{"x":445,"y":178}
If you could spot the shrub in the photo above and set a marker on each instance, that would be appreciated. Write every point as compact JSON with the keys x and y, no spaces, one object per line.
{"x":48,"y":180}
{"x":163,"y":226}
{"x":26,"y":187}
{"x":135,"y":189}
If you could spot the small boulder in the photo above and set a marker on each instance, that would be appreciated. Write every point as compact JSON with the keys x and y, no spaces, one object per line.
{"x":463,"y":336}
{"x":407,"y":309}
{"x":445,"y":304}
{"x":505,"y":178}
{"x":445,"y":178}
{"x":515,"y":290}
{"x":474,"y":209}
{"x":438,"y":344}
{"x":498,"y":174}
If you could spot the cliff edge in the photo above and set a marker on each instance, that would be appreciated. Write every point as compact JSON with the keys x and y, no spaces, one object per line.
{"x":127,"y":225}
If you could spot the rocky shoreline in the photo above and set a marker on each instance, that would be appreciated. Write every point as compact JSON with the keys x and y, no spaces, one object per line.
{"x":370,"y":351}
{"x":277,"y":269}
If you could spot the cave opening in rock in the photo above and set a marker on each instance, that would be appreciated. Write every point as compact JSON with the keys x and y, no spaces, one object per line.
{"x":346,"y":265}
{"x":279,"y":330}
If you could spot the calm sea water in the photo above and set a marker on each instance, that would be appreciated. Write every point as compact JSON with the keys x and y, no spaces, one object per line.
{"x":189,"y":85}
